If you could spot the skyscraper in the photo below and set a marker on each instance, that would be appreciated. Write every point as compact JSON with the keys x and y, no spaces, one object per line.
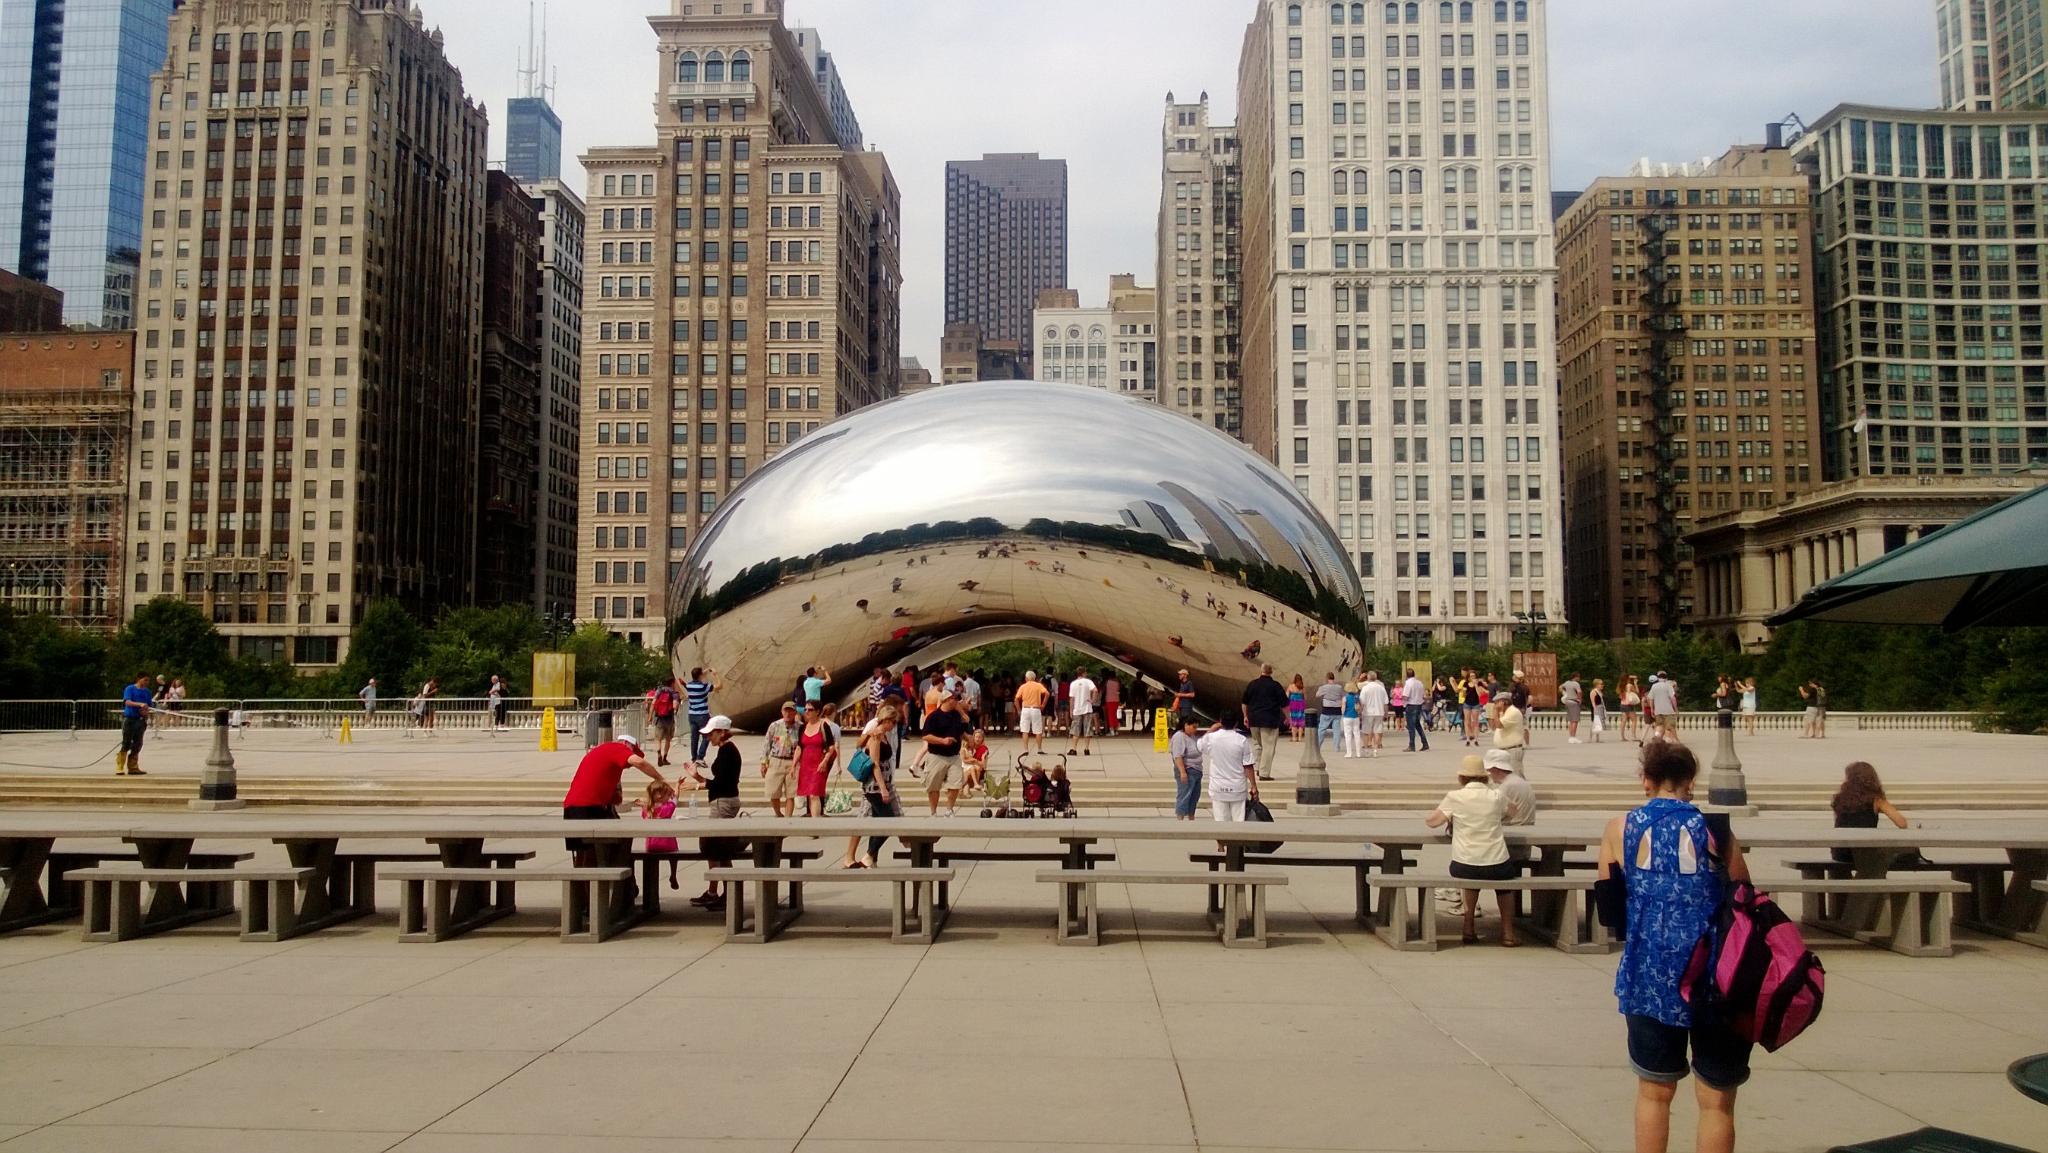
{"x":310,"y":345}
{"x":558,"y":312}
{"x":1006,"y":241}
{"x":509,"y":401}
{"x":741,"y":277}
{"x":1200,"y":270}
{"x":74,"y":142}
{"x":533,"y":140}
{"x":1993,"y":54}
{"x":1931,"y":352}
{"x":825,"y":71}
{"x":1687,"y":350}
{"x":1399,"y":352}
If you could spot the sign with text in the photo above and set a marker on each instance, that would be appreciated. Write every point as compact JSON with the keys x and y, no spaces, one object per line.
{"x":1540,"y":671}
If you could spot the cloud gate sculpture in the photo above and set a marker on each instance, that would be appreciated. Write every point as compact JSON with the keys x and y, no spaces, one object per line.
{"x":928,"y":524}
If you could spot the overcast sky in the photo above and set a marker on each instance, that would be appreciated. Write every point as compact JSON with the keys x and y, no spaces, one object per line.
{"x":1086,"y":80}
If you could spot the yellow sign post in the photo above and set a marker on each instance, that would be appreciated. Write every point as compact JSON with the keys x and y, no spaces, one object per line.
{"x":547,"y":729}
{"x":1159,"y":730}
{"x":347,"y":734}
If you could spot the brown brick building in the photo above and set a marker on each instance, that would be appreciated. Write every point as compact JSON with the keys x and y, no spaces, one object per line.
{"x":64,"y":422}
{"x":29,"y":305}
{"x":1686,"y":337}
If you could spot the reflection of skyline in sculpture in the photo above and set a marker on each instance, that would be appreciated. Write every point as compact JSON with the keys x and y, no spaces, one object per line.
{"x":1065,"y":510}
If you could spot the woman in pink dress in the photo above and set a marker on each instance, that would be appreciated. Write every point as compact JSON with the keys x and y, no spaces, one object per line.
{"x":816,"y":752}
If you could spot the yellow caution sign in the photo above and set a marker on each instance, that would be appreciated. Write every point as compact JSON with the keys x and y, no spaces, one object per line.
{"x":347,"y":734}
{"x":1158,"y":730}
{"x":547,"y":729}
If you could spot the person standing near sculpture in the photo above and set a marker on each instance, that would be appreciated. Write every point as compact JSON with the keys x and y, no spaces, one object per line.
{"x":1263,"y":710}
{"x":1414,"y":696}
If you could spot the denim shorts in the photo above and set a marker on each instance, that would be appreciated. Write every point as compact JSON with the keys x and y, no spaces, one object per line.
{"x":1657,"y":1053}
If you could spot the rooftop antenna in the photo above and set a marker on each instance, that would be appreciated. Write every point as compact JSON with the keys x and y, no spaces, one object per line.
{"x":528,"y":69}
{"x":547,"y":76}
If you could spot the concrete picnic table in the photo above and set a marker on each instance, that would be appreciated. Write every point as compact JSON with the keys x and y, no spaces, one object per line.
{"x":2015,"y":910}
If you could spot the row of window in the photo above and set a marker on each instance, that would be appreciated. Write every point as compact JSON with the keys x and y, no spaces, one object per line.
{"x":1411,"y":13}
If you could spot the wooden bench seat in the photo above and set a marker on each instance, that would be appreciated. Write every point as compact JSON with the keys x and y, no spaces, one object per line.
{"x":1411,"y":912}
{"x":1916,"y":913}
{"x":1080,"y":921}
{"x":1362,"y":865}
{"x":591,"y":908}
{"x":914,"y":914}
{"x":114,"y":909}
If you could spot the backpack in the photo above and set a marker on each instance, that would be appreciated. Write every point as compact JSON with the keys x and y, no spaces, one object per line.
{"x":664,"y":702}
{"x":1754,"y":971}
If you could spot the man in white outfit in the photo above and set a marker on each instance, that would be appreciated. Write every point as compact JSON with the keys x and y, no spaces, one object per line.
{"x":1227,"y":764}
{"x":1372,"y":701}
{"x":1081,"y":698}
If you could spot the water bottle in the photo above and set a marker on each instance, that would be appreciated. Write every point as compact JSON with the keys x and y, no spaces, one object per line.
{"x":693,"y":802}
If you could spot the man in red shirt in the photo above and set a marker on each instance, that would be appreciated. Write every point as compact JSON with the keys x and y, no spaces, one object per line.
{"x":594,"y":791}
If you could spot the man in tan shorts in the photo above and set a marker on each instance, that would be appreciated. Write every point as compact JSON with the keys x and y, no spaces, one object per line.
{"x":778,"y":760}
{"x":944,"y":731}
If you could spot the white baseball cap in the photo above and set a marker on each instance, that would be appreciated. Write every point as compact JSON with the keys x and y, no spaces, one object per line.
{"x":718,"y":722}
{"x":630,"y":739}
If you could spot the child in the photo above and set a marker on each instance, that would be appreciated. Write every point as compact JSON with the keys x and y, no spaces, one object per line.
{"x":660,"y":805}
{"x":1059,"y":792}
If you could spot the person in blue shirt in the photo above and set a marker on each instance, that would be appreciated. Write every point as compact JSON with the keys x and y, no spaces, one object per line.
{"x":136,"y":704}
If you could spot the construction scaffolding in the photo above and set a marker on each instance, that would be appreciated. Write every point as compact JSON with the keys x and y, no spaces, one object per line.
{"x":63,"y":492}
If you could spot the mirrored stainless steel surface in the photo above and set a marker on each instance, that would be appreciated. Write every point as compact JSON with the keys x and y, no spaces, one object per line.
{"x":921,"y":525}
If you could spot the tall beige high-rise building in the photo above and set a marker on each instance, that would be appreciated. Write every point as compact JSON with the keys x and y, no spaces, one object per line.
{"x":741,"y":279}
{"x":1200,"y":266}
{"x":310,"y":322}
{"x":1399,"y":350}
{"x":1993,"y":54}
{"x":1687,"y":350}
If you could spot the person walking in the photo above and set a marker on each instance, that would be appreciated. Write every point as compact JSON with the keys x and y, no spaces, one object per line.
{"x":137,"y":703}
{"x":697,"y":697}
{"x":944,"y":731}
{"x":1263,"y":711}
{"x":1031,"y":698}
{"x":1352,"y":747}
{"x":1228,"y":763}
{"x":1185,"y":749}
{"x":1081,"y":698}
{"x":368,"y":695}
{"x":1662,"y":874}
{"x":423,"y":705}
{"x":661,"y":715}
{"x":778,"y":760}
{"x":594,"y":790}
{"x":495,"y":696}
{"x":1664,"y":698}
{"x":1519,"y":697}
{"x":1571,"y":695}
{"x":816,"y":753}
{"x":1414,"y":693}
{"x":1598,"y":698}
{"x":880,"y":790}
{"x":1373,"y":702}
{"x":1329,"y":708}
{"x":1479,"y":847}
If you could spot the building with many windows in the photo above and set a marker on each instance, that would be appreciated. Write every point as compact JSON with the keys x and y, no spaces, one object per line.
{"x":509,"y":401}
{"x":845,"y":125}
{"x":1932,"y":356}
{"x":1686,"y":341}
{"x":1399,"y":346}
{"x":74,"y":146}
{"x":533,"y":140}
{"x":1112,"y":347}
{"x":310,"y":331}
{"x":558,"y":317}
{"x":1200,"y":266}
{"x":1993,"y":54}
{"x":1006,"y":242}
{"x":741,"y":277}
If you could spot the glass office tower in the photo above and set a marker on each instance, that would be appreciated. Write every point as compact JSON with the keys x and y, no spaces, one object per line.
{"x":74,"y":126}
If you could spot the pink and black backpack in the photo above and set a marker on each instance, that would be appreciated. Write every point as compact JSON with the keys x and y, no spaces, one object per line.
{"x":1754,"y":971}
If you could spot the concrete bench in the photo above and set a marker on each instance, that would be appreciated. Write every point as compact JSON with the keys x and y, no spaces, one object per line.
{"x":1929,"y":1141}
{"x":1916,"y":913}
{"x":591,"y":908}
{"x":268,"y":897}
{"x":354,"y":882}
{"x":650,"y":873}
{"x":1361,"y":865}
{"x":914,"y":914}
{"x":1411,"y":913}
{"x":942,"y":857}
{"x":1080,"y":921}
{"x":1983,"y":872}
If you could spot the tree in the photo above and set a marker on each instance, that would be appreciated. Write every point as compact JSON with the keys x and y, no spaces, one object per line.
{"x":611,"y":666}
{"x":386,"y":644}
{"x":169,"y":637}
{"x":43,"y":659}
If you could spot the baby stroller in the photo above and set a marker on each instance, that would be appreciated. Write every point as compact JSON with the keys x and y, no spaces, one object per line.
{"x":1039,"y":793}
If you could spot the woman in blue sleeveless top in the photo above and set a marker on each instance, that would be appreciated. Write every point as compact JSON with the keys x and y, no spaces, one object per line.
{"x":1675,"y":870}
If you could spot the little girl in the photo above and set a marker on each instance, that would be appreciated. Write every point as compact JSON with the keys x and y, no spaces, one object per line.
{"x":660,"y":805}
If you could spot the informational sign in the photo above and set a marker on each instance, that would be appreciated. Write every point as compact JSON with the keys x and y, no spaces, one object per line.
{"x":1540,"y":671}
{"x":1425,"y":671}
{"x":554,"y":679}
{"x":1159,"y":730}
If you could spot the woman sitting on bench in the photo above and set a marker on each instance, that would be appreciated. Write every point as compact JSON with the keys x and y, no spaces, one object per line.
{"x":1479,"y":849}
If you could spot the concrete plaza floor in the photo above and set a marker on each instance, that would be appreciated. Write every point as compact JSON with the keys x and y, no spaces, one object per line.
{"x":833,"y":1039}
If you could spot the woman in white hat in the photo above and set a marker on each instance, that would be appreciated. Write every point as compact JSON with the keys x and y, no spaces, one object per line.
{"x":722,"y":789}
{"x":1479,"y":848}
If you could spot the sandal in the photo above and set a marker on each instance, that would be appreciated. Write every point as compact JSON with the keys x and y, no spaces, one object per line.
{"x":1510,"y":942}
{"x":1469,"y":938}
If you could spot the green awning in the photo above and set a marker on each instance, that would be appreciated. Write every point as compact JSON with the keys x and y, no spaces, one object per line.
{"x":1989,"y":570}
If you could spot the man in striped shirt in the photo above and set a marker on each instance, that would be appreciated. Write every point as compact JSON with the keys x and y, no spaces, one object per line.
{"x":697,"y":693}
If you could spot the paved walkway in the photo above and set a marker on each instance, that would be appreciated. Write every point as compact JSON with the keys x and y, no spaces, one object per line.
{"x":831,"y":1039}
